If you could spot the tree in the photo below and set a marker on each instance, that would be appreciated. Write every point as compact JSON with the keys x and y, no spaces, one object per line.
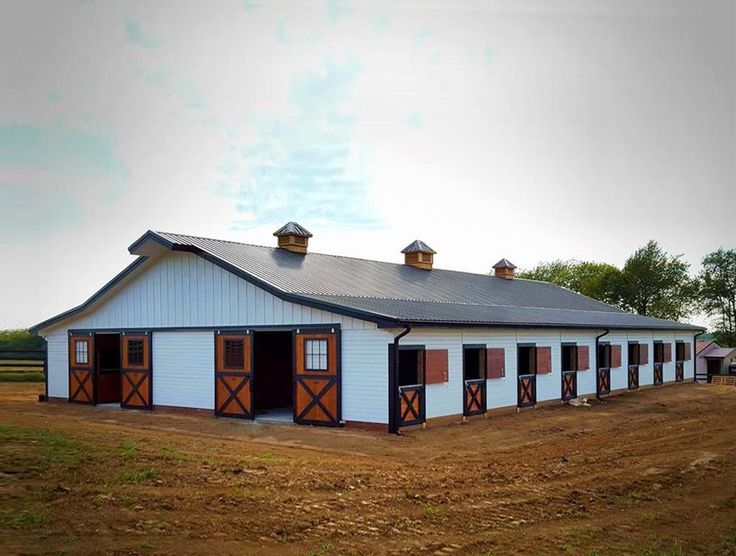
{"x":20,"y":340}
{"x":597,"y":280}
{"x":717,"y":293}
{"x":656,"y":284}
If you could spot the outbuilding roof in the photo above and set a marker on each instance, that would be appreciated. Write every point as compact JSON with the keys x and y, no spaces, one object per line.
{"x":392,"y":294}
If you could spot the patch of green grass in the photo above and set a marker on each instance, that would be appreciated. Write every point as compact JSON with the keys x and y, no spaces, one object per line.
{"x":323,"y":550}
{"x":23,"y":520}
{"x":128,"y":501}
{"x":728,"y":545}
{"x":649,"y":518}
{"x":139,"y":475}
{"x":676,"y":549}
{"x":632,"y":498}
{"x":171,"y":454}
{"x":431,"y":512}
{"x":127,"y":450}
{"x":57,"y":448}
{"x":581,"y":533}
{"x":21,"y":377}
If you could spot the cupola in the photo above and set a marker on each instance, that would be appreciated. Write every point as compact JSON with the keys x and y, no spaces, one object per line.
{"x":419,"y":255}
{"x":504,"y":269}
{"x":293,"y":237}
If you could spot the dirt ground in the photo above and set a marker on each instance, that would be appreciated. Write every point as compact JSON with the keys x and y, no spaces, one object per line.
{"x":649,"y":472}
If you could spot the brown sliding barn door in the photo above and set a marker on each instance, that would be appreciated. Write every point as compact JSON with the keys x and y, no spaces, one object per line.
{"x":317,"y":377}
{"x":136,"y":386}
{"x":82,"y":368}
{"x":234,"y":374}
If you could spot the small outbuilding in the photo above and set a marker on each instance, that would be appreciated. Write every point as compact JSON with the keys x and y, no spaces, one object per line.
{"x":712,"y":360}
{"x":258,"y":332}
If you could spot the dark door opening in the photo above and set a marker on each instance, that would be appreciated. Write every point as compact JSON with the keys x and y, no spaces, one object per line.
{"x":714,"y":367}
{"x":411,"y":385}
{"x":272,"y":374}
{"x":107,"y":363}
{"x":474,"y":379}
{"x":526,"y":369}
{"x":411,"y":367}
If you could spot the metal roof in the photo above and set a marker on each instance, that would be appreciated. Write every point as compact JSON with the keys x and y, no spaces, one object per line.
{"x":717,"y":353}
{"x":292,"y":229}
{"x":402,"y":293}
{"x":392,"y":294}
{"x":418,"y":246}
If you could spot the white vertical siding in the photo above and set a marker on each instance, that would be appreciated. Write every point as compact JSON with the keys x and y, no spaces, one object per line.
{"x":586,"y":379}
{"x":365,"y":375}
{"x":689,"y":366}
{"x":447,"y":398}
{"x":184,"y":290}
{"x":58,"y":364}
{"x":619,"y":375}
{"x":184,"y":369}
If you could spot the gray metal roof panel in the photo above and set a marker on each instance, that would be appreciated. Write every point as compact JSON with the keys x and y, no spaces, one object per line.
{"x":408,"y":293}
{"x":428,"y":312}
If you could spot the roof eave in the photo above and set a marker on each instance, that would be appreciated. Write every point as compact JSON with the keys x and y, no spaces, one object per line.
{"x":35,"y":329}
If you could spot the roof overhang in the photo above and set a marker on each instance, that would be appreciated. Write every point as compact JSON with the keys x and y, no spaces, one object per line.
{"x":125,"y":273}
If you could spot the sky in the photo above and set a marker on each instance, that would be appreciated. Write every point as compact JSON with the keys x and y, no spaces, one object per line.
{"x":531,"y":130}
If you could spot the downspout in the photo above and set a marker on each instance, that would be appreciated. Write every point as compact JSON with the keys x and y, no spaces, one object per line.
{"x":695,"y":358}
{"x":597,"y":339}
{"x":393,"y":383}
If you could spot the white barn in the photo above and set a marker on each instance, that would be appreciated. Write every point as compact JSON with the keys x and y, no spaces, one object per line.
{"x":259,"y":332}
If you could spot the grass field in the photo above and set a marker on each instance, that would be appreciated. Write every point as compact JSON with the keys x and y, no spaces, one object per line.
{"x":14,"y":370}
{"x":649,"y":472}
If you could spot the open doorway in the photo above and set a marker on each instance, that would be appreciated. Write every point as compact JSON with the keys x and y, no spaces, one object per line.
{"x":272,"y":375}
{"x":107,"y":363}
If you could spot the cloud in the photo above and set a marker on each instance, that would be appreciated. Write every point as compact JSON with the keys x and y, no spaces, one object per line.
{"x":249,"y":5}
{"x":135,"y":35}
{"x":60,"y":149}
{"x":304,"y":166}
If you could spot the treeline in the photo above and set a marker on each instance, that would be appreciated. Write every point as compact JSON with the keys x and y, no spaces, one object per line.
{"x":20,"y":340}
{"x":655,"y":283}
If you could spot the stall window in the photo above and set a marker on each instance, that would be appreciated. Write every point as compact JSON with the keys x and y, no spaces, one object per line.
{"x":569,"y":357}
{"x":604,"y":356}
{"x":135,"y":352}
{"x":658,"y":352}
{"x":680,"y":351}
{"x":474,"y":363}
{"x":81,"y":355}
{"x":526,"y":360}
{"x":633,"y":354}
{"x":411,"y":367}
{"x":315,"y":352}
{"x":234,"y":353}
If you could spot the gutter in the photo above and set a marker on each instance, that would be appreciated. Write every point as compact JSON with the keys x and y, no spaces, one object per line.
{"x":597,"y":339}
{"x":695,"y":358}
{"x":393,"y":382}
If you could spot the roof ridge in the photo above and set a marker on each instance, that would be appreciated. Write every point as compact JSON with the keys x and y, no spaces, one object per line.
{"x":344,"y":257}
